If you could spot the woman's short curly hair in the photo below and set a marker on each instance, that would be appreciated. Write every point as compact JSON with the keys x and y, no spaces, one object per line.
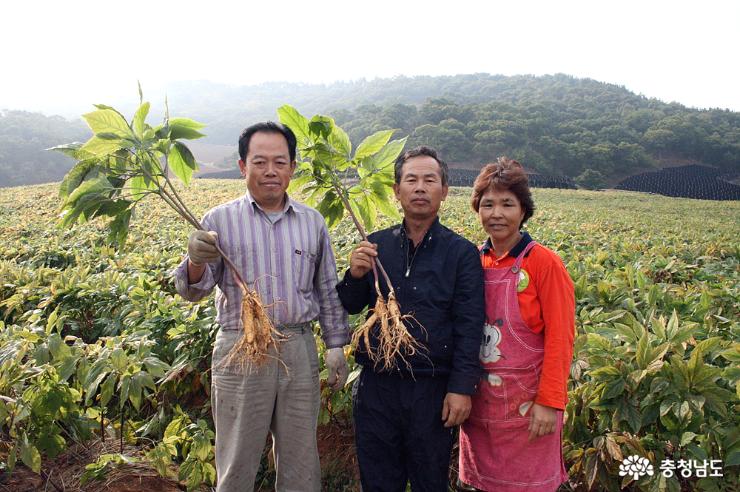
{"x":505,"y":175}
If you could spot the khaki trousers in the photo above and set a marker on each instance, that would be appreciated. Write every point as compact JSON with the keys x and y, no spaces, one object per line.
{"x":282,"y":397}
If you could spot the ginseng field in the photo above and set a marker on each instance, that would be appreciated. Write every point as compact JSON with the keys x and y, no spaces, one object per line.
{"x":104,"y":370}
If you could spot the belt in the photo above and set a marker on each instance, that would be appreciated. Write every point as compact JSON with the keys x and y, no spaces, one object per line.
{"x":285,"y":327}
{"x":294,"y":327}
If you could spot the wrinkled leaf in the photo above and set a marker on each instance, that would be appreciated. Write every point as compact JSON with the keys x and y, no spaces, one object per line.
{"x":139,"y":120}
{"x":373,"y":143}
{"x":340,"y":141}
{"x":100,"y":147}
{"x":181,"y":162}
{"x":185,"y":128}
{"x":108,"y":121}
{"x":291,"y":118}
{"x":30,"y":456}
{"x":80,"y":172}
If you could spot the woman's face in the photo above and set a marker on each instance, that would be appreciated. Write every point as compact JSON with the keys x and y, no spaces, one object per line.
{"x":500,"y":214}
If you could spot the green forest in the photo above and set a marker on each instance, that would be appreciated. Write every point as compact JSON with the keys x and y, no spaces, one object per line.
{"x":24,"y":137}
{"x":554,"y":124}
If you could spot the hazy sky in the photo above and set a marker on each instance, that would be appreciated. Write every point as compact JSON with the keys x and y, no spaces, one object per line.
{"x":64,"y":56}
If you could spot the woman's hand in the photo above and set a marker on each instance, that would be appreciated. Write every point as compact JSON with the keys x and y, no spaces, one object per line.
{"x":543,"y":420}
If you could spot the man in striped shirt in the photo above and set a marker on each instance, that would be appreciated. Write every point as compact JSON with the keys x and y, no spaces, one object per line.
{"x":282,"y":250}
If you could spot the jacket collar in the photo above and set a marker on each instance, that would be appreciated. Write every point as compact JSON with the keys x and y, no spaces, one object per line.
{"x":434,"y":230}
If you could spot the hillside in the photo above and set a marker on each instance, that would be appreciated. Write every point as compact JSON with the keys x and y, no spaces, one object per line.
{"x":23,"y":138}
{"x":556,"y":125}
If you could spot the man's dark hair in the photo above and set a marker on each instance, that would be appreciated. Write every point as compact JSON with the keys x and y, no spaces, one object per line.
{"x":266,"y":127}
{"x":421,"y":150}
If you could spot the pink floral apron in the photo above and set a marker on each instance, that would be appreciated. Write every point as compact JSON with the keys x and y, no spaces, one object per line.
{"x":495,"y":453}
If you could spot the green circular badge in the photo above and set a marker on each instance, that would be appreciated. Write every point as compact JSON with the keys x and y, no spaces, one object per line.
{"x":523,"y":282}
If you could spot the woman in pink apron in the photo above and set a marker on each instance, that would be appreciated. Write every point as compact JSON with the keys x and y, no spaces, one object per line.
{"x":512,"y":438}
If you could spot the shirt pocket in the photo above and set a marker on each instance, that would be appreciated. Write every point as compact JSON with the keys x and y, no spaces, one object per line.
{"x":528,"y":380}
{"x":304,"y":269}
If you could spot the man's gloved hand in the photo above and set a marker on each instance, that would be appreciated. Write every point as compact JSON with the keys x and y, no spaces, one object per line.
{"x":336,"y":364}
{"x":202,"y":247}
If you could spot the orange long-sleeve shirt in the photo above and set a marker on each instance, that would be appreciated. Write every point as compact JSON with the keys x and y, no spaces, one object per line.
{"x":547,"y":304}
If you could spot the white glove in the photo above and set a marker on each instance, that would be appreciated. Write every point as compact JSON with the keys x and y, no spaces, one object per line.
{"x":336,"y":364}
{"x":202,"y":247}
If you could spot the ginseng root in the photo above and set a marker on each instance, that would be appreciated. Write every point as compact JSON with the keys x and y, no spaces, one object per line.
{"x":258,"y":333}
{"x":394,"y":340}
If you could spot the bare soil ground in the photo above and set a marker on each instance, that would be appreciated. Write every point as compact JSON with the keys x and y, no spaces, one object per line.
{"x":62,"y":474}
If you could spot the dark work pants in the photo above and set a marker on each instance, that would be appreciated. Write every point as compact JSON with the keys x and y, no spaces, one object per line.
{"x":399,"y":433}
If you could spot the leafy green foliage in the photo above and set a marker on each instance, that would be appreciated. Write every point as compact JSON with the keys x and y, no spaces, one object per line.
{"x":655,"y":371}
{"x":333,"y":179}
{"x":556,"y":124}
{"x":591,"y":179}
{"x":122,"y":163}
{"x":191,"y":441}
{"x":106,"y":462}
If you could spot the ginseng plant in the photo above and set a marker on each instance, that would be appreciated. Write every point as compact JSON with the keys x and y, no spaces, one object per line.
{"x":123,"y":163}
{"x":334,"y":181}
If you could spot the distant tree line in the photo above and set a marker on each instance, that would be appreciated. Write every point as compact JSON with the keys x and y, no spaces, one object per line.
{"x":457,"y":177}
{"x":556,"y":124}
{"x":566,"y":135}
{"x":594,"y":133}
{"x":23,"y":138}
{"x":466,"y":177}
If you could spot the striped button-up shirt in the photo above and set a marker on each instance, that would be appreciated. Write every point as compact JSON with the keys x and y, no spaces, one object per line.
{"x":288,"y":261}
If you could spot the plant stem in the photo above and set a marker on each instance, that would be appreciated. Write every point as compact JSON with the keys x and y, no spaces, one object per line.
{"x":166,"y":197}
{"x":168,"y":200}
{"x":121,"y":429}
{"x":377,"y":283}
{"x":341,"y":192}
{"x":48,"y":479}
{"x":196,"y":223}
{"x":177,"y":204}
{"x":177,"y":197}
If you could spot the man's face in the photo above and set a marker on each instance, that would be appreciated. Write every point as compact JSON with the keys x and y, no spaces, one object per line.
{"x":268,"y":169}
{"x":420,"y":189}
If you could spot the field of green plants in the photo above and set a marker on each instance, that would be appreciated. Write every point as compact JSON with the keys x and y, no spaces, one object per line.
{"x":95,"y":346}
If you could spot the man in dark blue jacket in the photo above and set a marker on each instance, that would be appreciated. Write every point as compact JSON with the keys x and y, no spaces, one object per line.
{"x":404,"y":417}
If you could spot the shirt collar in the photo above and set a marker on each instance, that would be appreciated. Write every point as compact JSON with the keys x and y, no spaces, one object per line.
{"x":289,"y":203}
{"x":515,"y":251}
{"x":401,"y":229}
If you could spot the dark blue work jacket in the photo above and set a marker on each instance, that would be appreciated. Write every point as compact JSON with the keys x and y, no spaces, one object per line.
{"x":444,"y":292}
